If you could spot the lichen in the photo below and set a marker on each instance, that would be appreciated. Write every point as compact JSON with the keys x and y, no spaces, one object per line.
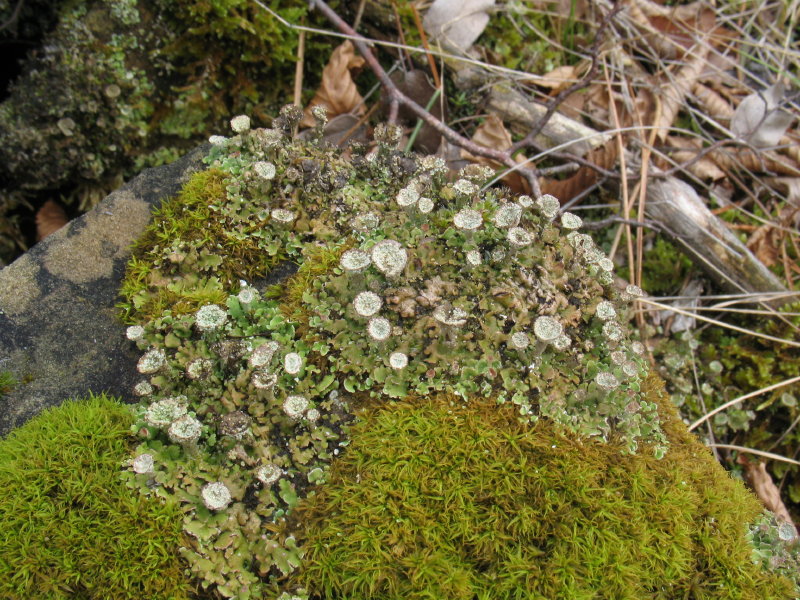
{"x":384,"y":304}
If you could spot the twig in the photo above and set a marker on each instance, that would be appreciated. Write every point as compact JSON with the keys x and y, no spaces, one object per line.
{"x":298,"y":72}
{"x":554,"y":103}
{"x":396,"y":98}
{"x":594,"y":225}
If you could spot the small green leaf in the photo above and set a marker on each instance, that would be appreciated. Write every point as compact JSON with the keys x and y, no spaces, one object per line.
{"x":326,"y":382}
{"x":287,"y":493}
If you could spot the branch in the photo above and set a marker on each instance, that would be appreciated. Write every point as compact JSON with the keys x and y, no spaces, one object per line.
{"x":397,"y":98}
{"x":557,"y":100}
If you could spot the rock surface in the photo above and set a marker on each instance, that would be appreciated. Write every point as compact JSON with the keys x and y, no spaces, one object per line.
{"x":59,"y":334}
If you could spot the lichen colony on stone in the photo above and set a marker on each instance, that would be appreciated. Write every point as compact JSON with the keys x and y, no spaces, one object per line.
{"x":472,"y":293}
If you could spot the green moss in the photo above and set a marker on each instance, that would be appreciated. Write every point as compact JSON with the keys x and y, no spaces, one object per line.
{"x":440,"y":499}
{"x":7,"y":382}
{"x":70,"y":528}
{"x":188,"y":256}
{"x":663,"y":269}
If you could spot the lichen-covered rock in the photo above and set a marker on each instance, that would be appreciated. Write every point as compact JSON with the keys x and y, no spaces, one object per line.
{"x":475,"y":297}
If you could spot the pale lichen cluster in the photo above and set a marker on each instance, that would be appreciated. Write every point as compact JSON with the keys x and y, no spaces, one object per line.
{"x":435,"y":286}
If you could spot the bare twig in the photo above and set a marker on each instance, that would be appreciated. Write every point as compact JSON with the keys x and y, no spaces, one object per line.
{"x":396,"y":98}
{"x":585,"y":81}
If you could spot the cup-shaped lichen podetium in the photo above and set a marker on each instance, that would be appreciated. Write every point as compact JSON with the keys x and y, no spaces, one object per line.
{"x":468,"y":221}
{"x":234,"y":426}
{"x":451,"y":320}
{"x":186,"y":431}
{"x":389,"y":257}
{"x":354,"y":262}
{"x":547,"y":330}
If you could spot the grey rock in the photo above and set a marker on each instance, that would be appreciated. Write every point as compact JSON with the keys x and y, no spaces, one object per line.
{"x":59,"y":333}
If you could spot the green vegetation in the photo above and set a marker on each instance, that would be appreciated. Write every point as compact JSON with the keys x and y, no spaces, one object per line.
{"x":441,"y":296}
{"x":438,"y":499}
{"x":7,"y":382}
{"x":729,"y":364}
{"x":663,"y":269}
{"x":70,"y":528}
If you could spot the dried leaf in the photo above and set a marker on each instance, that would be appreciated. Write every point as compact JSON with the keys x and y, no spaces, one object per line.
{"x":557,"y":79}
{"x":493,"y":134}
{"x":704,"y":168}
{"x":673,"y":30}
{"x":674,"y":92}
{"x":457,"y":23}
{"x":714,"y":105}
{"x":759,"y":120}
{"x":566,"y":189}
{"x":765,"y":488}
{"x":49,"y":219}
{"x":757,"y":161}
{"x":338,"y":92}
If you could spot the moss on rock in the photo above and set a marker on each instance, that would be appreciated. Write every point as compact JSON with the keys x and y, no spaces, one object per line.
{"x":68,"y":526}
{"x":435,"y":498}
{"x":414,"y":296}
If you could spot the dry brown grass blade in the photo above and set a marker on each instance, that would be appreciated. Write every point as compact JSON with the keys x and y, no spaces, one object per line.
{"x":49,"y":219}
{"x":765,"y":488}
{"x":338,"y":92}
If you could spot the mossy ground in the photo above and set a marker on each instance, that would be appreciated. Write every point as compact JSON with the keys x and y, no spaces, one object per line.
{"x":440,"y":499}
{"x":68,"y":526}
{"x":186,"y":258}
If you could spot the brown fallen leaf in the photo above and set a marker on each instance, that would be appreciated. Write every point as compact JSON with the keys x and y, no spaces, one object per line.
{"x":338,"y":92}
{"x":558,"y":79}
{"x":714,"y":105}
{"x":768,"y":238}
{"x":765,"y":488}
{"x":566,"y":189}
{"x":49,"y":219}
{"x":493,"y":134}
{"x":704,"y":168}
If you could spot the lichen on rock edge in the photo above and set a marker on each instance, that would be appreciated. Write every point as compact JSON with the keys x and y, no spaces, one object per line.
{"x":482,"y":296}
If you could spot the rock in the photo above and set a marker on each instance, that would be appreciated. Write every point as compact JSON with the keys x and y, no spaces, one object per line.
{"x":59,"y":334}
